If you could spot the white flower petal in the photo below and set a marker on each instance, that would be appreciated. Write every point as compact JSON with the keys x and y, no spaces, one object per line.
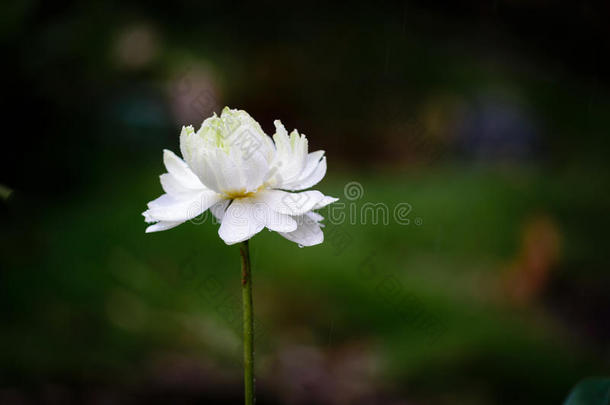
{"x":206,"y":170}
{"x":180,"y":208}
{"x":241,"y":221}
{"x":194,"y":150}
{"x":180,"y":171}
{"x":308,"y":232}
{"x":312,"y":161}
{"x":290,"y":156}
{"x":312,"y":179}
{"x":227,"y":170}
{"x":172,"y":186}
{"x":162,"y":226}
{"x":218,"y":209}
{"x":315,"y":216}
{"x":289,"y":203}
{"x":324,"y":202}
{"x":279,"y":222}
{"x":255,"y":169}
{"x":245,"y":132}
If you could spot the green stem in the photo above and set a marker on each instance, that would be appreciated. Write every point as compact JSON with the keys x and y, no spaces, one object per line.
{"x":246,"y":293}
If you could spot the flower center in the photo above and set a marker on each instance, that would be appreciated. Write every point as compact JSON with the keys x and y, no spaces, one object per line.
{"x":235,"y":194}
{"x":241,"y":193}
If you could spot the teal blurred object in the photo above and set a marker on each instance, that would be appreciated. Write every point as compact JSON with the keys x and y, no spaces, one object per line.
{"x":591,"y":391}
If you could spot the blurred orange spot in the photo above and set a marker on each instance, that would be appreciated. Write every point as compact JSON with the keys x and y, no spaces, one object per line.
{"x":538,"y":254}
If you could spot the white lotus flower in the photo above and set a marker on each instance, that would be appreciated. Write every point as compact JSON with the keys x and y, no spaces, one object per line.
{"x":248,"y":181}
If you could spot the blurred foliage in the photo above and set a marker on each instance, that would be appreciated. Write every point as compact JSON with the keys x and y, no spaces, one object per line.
{"x":489,"y":120}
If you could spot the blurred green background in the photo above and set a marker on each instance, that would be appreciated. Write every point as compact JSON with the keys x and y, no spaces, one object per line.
{"x":488,"y":120}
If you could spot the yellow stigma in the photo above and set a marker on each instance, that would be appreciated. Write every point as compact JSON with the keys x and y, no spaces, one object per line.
{"x":235,"y":194}
{"x":241,"y":193}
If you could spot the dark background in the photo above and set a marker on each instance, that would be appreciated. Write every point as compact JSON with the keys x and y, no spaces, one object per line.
{"x":489,"y":120}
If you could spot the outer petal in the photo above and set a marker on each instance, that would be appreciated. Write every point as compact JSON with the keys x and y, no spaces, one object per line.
{"x":324,"y":202}
{"x":172,"y":186}
{"x":162,"y":226}
{"x":312,"y":178}
{"x":180,"y":208}
{"x":290,"y":203}
{"x":240,"y":222}
{"x":308,"y":233}
{"x":180,"y":171}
